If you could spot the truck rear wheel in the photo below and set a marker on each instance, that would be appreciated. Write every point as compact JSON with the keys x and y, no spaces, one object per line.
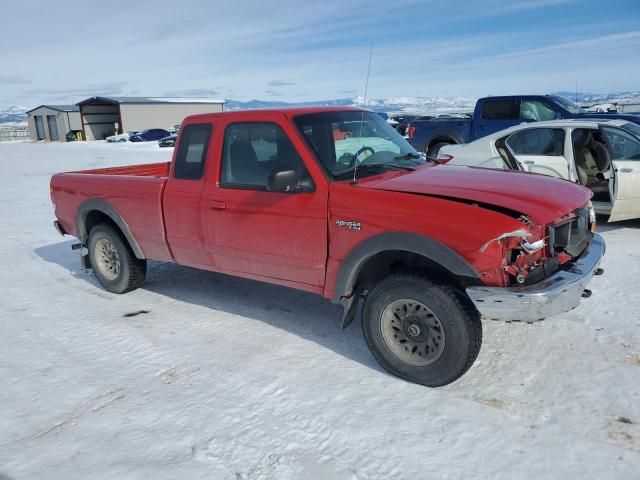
{"x":114,"y":264}
{"x":421,"y":331}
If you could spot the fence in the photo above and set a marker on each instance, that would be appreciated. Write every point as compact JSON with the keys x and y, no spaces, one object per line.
{"x":14,"y":134}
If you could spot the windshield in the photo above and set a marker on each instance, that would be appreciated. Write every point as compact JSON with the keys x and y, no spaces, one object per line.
{"x":343,"y":141}
{"x":568,"y":105}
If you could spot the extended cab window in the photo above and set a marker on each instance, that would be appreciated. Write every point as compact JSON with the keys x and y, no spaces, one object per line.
{"x":535,"y":111}
{"x":252,"y":151}
{"x":537,"y":141}
{"x":500,"y":110}
{"x":192,"y":151}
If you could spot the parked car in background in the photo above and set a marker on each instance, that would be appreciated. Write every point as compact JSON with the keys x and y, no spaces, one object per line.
{"x":122,"y":137}
{"x":169,"y":141}
{"x":420,"y":251}
{"x":602,"y":155}
{"x":149,"y":135}
{"x":493,"y":114}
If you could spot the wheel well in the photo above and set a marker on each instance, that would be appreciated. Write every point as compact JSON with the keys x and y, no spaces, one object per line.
{"x":436,"y":140}
{"x":389,"y":262}
{"x":95,"y":217}
{"x":94,"y":211}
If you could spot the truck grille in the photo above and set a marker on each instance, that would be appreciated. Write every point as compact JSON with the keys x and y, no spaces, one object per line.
{"x":571,"y":236}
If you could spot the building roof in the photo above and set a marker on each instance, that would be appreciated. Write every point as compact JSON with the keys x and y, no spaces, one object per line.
{"x":149,"y":100}
{"x":59,"y":108}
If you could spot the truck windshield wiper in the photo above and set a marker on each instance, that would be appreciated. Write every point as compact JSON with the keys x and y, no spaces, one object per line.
{"x":415,"y":156}
{"x":374,"y":166}
{"x":408,"y":156}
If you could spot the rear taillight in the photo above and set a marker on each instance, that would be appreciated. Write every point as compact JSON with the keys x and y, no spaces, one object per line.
{"x":410,"y":131}
{"x":53,"y":198}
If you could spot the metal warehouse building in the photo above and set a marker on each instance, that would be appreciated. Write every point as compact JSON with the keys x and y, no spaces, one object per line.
{"x":53,"y":122}
{"x":104,"y":116}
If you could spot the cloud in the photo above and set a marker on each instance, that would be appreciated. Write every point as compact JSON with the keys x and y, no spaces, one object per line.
{"x":316,"y":49}
{"x":531,"y":4}
{"x":13,"y":80}
{"x":281,"y":83}
{"x":193,"y":92}
{"x":79,"y":92}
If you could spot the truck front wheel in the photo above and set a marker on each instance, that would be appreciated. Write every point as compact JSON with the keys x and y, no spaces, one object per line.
{"x":421,"y":331}
{"x":114,"y":264}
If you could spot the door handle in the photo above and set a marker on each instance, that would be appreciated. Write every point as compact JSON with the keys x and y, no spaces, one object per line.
{"x":528,"y":162}
{"x":217,"y":205}
{"x":626,"y":170}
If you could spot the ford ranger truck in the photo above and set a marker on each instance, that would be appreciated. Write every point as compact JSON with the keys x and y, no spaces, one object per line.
{"x":421,"y":251}
{"x":492,"y":114}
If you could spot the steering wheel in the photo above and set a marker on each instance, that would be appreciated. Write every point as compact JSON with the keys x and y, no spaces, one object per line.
{"x":354,"y":158}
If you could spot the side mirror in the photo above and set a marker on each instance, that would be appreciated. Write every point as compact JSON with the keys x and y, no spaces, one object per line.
{"x":558,"y":116}
{"x":285,"y":180}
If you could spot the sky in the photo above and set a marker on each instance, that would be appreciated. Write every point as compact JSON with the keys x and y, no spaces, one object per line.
{"x":63,"y":51}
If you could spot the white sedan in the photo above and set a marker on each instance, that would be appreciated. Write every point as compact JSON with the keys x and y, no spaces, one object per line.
{"x":603,"y":155}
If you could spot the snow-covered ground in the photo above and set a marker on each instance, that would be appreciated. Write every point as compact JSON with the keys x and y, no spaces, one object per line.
{"x":203,"y":376}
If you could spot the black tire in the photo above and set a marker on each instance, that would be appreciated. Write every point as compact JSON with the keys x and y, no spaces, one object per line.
{"x":434,"y":149}
{"x":453,"y":318}
{"x":118,"y":272}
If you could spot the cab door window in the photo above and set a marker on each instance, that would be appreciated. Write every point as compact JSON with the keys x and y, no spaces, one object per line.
{"x":253,"y":151}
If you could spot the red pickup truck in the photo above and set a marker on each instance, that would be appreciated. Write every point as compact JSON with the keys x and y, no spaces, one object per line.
{"x":420,"y":250}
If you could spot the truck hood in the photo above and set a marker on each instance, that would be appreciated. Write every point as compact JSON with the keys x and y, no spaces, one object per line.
{"x":544,"y":199}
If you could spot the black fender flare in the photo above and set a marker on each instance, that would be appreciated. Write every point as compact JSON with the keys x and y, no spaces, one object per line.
{"x":96,"y":204}
{"x":427,"y":247}
{"x":437,"y":252}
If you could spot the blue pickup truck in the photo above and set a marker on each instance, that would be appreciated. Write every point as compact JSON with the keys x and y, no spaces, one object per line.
{"x":493,"y":114}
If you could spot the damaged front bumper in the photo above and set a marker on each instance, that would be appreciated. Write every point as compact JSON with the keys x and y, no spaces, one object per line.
{"x":556,"y":294}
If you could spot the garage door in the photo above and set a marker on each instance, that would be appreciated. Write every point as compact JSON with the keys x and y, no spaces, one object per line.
{"x":39,"y":127}
{"x":53,"y":128}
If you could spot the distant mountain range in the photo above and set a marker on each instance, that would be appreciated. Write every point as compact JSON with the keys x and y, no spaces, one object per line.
{"x":394,"y":104}
{"x":433,"y":104}
{"x":13,"y":115}
{"x":390,"y":105}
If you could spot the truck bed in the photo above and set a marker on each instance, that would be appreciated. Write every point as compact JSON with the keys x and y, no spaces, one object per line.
{"x":134,"y":191}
